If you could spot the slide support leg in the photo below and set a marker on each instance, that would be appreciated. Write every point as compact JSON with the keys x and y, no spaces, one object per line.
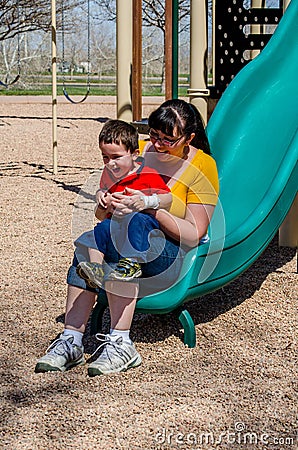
{"x":188,"y":327}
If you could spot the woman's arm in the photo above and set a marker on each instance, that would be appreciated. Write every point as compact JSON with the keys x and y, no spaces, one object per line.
{"x":190,"y":229}
{"x":126,"y":204}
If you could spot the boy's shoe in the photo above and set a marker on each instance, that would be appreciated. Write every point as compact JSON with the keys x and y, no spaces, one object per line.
{"x":92,"y":273}
{"x":126,"y":270}
{"x":61,"y":355}
{"x":117,"y":356}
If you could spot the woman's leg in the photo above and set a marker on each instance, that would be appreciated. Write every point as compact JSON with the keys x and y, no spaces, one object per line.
{"x":67,"y":350}
{"x":79,"y":304}
{"x":122,"y":299}
{"x":119,"y":353}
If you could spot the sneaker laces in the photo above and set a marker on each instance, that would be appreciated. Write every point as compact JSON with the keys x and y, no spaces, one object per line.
{"x":109,"y":343}
{"x":61,"y":346}
{"x":126,"y":264}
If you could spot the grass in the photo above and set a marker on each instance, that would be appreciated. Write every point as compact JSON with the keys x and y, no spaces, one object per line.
{"x":31,"y":86}
{"x":147,"y":91}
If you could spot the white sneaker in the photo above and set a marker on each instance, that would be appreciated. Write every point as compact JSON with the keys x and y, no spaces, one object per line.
{"x":61,"y":355}
{"x":117,"y":356}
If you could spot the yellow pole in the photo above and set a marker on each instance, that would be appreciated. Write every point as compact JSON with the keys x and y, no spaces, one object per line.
{"x":286,"y":4}
{"x":255,"y":29}
{"x":54,"y":90}
{"x":124,"y":59}
{"x":136,"y":75}
{"x":198,"y":51}
{"x":288,"y":232}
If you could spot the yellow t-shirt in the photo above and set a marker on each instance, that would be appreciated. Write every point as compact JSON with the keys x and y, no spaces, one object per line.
{"x":197,"y":184}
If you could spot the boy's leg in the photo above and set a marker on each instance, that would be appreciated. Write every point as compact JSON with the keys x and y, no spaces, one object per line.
{"x":102,"y":235}
{"x":95,"y":256}
{"x":91,"y":271}
{"x":133,"y":237}
{"x":134,"y":241}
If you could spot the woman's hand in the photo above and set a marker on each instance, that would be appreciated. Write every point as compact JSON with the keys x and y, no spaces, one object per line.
{"x":127,"y":202}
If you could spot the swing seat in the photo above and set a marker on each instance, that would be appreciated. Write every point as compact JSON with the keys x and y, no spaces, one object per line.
{"x":254,"y":140}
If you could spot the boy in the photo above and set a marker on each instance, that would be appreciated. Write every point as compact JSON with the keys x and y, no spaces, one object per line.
{"x":122,"y":239}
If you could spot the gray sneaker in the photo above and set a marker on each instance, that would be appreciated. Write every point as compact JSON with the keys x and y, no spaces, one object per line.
{"x":117,"y":356}
{"x":61,"y":355}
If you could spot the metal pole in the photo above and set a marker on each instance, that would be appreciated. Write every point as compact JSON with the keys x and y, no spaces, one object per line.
{"x":288,"y":232}
{"x":256,"y":29}
{"x":175,"y":48}
{"x":137,"y":61}
{"x":198,"y":51}
{"x":124,"y":59}
{"x":168,"y":49}
{"x":54,"y":90}
{"x":285,"y":4}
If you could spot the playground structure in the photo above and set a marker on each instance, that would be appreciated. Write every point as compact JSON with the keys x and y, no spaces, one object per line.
{"x":253,"y":127}
{"x":231,"y":40}
{"x":254,"y":138}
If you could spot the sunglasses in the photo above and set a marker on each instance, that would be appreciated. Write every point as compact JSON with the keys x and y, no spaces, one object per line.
{"x":164,"y":141}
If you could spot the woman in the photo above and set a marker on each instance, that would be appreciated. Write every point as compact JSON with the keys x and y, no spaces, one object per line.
{"x":180,"y":152}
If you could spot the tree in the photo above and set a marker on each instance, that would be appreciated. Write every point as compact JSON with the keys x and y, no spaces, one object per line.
{"x":19,"y":16}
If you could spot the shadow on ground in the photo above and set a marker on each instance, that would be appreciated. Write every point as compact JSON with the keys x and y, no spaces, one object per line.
{"x":208,"y":307}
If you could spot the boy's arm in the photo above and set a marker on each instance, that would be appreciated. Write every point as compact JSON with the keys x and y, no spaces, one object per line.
{"x":100,"y":213}
{"x":103,"y":204}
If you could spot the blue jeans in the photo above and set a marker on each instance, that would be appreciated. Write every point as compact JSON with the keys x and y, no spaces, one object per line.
{"x":161,"y":257}
{"x":127,"y":237}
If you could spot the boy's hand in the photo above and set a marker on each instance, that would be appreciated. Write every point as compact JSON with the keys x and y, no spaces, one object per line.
{"x":103,"y":205}
{"x":103,"y":199}
{"x":100,"y":199}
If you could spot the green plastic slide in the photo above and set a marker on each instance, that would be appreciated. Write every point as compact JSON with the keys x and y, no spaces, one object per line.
{"x":254,"y":140}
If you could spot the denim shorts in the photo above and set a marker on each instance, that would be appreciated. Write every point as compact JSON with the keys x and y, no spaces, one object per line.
{"x":164,"y":255}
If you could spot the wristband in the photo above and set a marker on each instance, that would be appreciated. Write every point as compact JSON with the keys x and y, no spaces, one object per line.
{"x":151,"y":201}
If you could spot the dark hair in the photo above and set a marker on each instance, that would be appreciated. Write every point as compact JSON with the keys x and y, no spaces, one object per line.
{"x":120,"y":133}
{"x":182,"y":116}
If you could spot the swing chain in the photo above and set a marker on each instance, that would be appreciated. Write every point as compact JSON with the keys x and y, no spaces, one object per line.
{"x":88,"y":54}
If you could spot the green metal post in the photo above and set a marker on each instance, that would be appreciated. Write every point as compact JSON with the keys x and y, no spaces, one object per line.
{"x":175,"y":48}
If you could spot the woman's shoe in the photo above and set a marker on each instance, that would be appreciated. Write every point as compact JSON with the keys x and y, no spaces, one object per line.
{"x":61,"y":355}
{"x":117,"y":356}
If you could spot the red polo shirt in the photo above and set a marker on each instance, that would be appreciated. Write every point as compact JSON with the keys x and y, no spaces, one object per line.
{"x":145,"y":179}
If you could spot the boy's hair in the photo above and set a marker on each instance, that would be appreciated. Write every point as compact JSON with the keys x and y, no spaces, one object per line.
{"x":120,"y":133}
